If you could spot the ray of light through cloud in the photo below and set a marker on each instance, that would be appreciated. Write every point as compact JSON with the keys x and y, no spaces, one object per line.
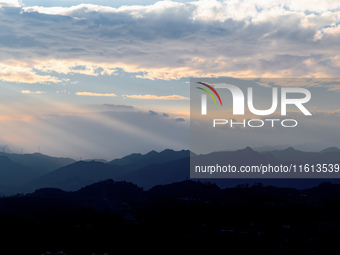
{"x":61,"y":61}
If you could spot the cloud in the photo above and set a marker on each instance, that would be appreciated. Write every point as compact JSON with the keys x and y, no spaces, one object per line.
{"x":20,"y":72}
{"x":170,"y":40}
{"x":116,"y":106}
{"x":74,"y":66}
{"x":180,"y":119}
{"x":10,"y":3}
{"x":32,"y":92}
{"x":165,"y":115}
{"x":25,"y":118}
{"x":92,"y":94}
{"x":331,"y":31}
{"x":153,"y":113}
{"x":154,"y":97}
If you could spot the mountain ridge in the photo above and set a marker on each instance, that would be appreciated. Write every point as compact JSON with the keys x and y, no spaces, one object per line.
{"x":39,"y":160}
{"x":171,"y":166}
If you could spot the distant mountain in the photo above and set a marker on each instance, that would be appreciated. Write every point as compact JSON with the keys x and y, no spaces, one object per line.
{"x":14,"y":174}
{"x":236,"y":158}
{"x":330,"y":149}
{"x":271,"y":148}
{"x":77,"y":175}
{"x":128,"y":160}
{"x":291,"y":155}
{"x":39,"y":161}
{"x":97,"y":160}
{"x":170,"y":166}
{"x":145,"y":170}
{"x":178,"y":170}
{"x":137,"y":160}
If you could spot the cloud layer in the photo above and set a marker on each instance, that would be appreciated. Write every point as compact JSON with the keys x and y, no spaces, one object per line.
{"x":154,"y":97}
{"x":32,"y":92}
{"x":93,"y":94}
{"x":171,"y":40}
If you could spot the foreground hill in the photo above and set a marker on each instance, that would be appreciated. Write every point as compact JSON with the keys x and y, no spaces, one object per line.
{"x":118,"y":217}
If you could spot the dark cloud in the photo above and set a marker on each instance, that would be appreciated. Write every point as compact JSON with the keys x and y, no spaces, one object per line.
{"x":165,"y":115}
{"x":180,"y":119}
{"x":120,"y":107}
{"x":153,"y":113}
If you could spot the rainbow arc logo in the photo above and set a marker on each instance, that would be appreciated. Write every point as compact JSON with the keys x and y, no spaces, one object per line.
{"x":209,"y":93}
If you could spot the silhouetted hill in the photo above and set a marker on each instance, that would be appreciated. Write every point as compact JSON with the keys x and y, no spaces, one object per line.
{"x":137,"y":160}
{"x":198,"y":217}
{"x":326,"y":191}
{"x":105,"y":195}
{"x":106,"y":190}
{"x":186,"y":190}
{"x":51,"y":193}
{"x":109,"y":195}
{"x":39,"y":161}
{"x":15,"y":174}
{"x":77,"y":175}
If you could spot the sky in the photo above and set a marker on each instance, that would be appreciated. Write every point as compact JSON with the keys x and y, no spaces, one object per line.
{"x":103,"y":79}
